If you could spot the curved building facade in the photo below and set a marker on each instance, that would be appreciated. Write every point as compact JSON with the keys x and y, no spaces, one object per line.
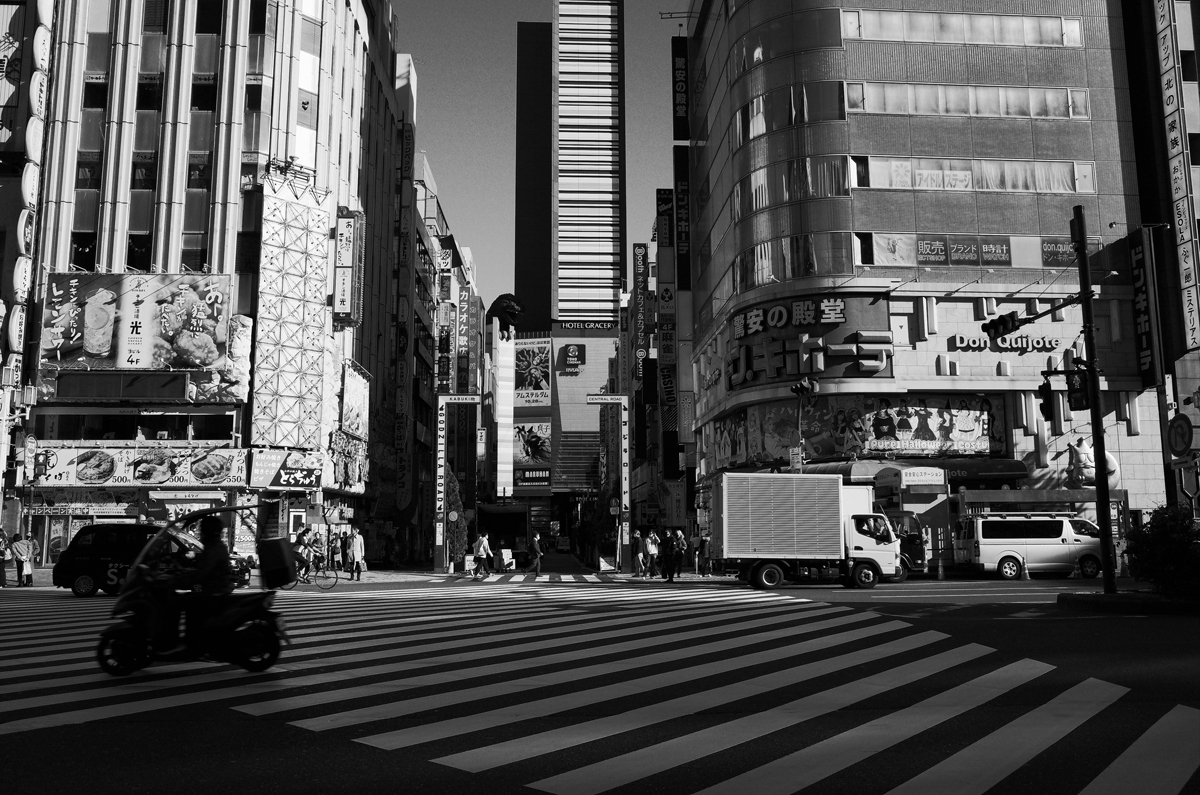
{"x":870,"y":185}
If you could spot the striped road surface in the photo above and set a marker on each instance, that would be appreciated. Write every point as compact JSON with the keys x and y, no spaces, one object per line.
{"x":582,"y":691}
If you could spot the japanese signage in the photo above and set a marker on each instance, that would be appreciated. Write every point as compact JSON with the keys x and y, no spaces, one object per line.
{"x":974,"y":250}
{"x":533,"y":372}
{"x":642,"y":325}
{"x":135,"y":322}
{"x":532,"y":478}
{"x":463,"y":330}
{"x":532,"y":454}
{"x":348,"y":270}
{"x":83,"y":502}
{"x":474,"y":332}
{"x":683,"y":221}
{"x":280,"y":470}
{"x":664,"y":211}
{"x":143,"y":466}
{"x":840,"y":336}
{"x":862,"y":426}
{"x":679,"y":87}
{"x":1145,"y":307}
{"x":439,"y":506}
{"x":1178,"y":163}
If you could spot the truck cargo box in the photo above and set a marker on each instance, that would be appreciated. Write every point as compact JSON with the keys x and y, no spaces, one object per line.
{"x":778,"y":516}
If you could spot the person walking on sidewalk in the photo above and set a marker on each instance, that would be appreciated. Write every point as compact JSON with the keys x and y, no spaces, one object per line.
{"x":5,"y":556}
{"x":23,"y":551}
{"x":635,"y":548}
{"x":535,"y":554}
{"x":651,"y":554}
{"x":356,"y":556}
{"x":482,"y":553}
{"x":669,"y":553}
{"x":682,"y":550}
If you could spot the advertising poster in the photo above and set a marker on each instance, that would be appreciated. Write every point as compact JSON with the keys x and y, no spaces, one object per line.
{"x":104,"y":467}
{"x":532,"y":444}
{"x":356,"y":401}
{"x":860,"y":426}
{"x":533,"y":372}
{"x":135,"y":321}
{"x":280,"y":470}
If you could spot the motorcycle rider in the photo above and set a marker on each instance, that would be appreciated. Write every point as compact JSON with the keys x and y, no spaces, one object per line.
{"x":214,"y":576}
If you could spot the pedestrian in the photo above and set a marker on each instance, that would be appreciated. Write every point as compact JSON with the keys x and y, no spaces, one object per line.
{"x":5,"y":556}
{"x":667,"y":555}
{"x":482,"y":553}
{"x":535,"y":554}
{"x":22,"y":550}
{"x":705,"y":562}
{"x":356,"y":562}
{"x":635,"y":547}
{"x":651,"y":554}
{"x":335,"y":551}
{"x":344,"y":540}
{"x":682,"y":549}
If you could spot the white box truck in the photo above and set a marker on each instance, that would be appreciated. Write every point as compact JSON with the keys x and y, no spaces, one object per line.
{"x":802,"y":528}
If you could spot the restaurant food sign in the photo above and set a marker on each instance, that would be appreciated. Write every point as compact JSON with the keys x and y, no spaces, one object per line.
{"x":136,"y":467}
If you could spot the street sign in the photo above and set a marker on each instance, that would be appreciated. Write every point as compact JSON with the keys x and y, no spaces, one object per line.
{"x":613,"y":502}
{"x":1179,"y":435}
{"x":614,"y":510}
{"x":595,"y":399}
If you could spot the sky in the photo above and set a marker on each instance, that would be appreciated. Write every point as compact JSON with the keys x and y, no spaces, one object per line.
{"x":465,"y":53}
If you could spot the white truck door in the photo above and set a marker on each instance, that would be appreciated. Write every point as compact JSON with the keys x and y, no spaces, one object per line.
{"x":868,"y":537}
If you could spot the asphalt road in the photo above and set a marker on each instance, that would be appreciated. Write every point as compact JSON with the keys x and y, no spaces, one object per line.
{"x":594,"y":687}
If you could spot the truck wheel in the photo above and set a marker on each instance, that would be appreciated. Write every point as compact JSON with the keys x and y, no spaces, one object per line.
{"x":1089,"y":567}
{"x":767,"y":577}
{"x":1009,"y":569}
{"x":902,"y":574}
{"x":864,"y":576}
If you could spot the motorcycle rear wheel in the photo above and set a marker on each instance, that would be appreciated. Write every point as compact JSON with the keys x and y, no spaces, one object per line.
{"x":259,"y":646}
{"x":121,"y":653}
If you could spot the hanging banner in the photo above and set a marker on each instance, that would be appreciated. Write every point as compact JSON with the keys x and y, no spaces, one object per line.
{"x":532,"y":372}
{"x":679,"y":88}
{"x":349,"y":253}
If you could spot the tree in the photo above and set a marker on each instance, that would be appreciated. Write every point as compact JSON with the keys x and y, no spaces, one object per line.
{"x":456,"y":531}
{"x":1166,"y":552}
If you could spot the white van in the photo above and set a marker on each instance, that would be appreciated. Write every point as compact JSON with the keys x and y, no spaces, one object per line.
{"x":1004,"y":543}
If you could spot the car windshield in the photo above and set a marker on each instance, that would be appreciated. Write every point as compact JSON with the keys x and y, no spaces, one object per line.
{"x":1085,"y":528}
{"x":167,"y":548}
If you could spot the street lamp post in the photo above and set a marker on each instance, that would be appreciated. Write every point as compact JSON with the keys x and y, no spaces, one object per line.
{"x":803,"y":390}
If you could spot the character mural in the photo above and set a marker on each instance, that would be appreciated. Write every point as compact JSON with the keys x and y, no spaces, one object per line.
{"x":858,"y":426}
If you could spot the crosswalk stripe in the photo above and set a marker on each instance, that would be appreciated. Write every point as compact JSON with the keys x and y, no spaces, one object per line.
{"x":983,"y":764}
{"x":1160,"y":762}
{"x":590,"y":731}
{"x":803,"y":768}
{"x":381,"y":711}
{"x":627,"y":768}
{"x":466,"y":724}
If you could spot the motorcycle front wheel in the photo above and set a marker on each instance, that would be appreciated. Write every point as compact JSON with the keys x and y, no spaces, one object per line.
{"x":258,"y":645}
{"x":121,"y":652}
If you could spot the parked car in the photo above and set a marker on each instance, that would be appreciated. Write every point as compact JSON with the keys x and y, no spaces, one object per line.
{"x":99,"y":557}
{"x":1008,"y":543}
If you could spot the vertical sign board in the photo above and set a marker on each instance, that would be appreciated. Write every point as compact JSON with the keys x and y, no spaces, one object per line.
{"x":641,"y":311}
{"x":664,"y":206}
{"x":1179,"y":166}
{"x":348,"y":270}
{"x":679,"y":88}
{"x":683,"y":222}
{"x":1145,"y":308}
{"x":464,"y":331}
{"x":439,"y":505}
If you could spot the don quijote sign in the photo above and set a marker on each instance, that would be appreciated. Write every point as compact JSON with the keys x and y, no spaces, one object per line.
{"x":1020,"y":344}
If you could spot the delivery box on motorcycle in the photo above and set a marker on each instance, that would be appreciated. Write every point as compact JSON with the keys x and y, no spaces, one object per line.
{"x":276,"y":563}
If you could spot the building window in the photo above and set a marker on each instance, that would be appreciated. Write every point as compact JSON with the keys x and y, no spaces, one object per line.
{"x":258,"y":17}
{"x":138,"y":253}
{"x":799,"y":32}
{"x":149,"y":95}
{"x":920,"y":99}
{"x":194,"y":256}
{"x":204,"y":97}
{"x":950,"y":28}
{"x":1020,"y":176}
{"x":310,"y":36}
{"x":793,"y":180}
{"x":87,"y":175}
{"x":306,"y":109}
{"x":254,"y":98}
{"x":83,"y":250}
{"x":95,"y":96}
{"x":144,"y":175}
{"x":154,"y":16}
{"x":199,"y":175}
{"x":209,"y":15}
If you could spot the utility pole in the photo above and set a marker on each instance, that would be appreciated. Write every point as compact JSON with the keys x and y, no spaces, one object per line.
{"x":1103,"y":505}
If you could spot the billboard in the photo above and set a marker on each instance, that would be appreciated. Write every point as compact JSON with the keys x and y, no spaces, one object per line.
{"x":348,"y":270}
{"x":356,"y":400}
{"x":532,"y":372}
{"x":862,"y":426}
{"x":679,"y":88}
{"x":135,"y":466}
{"x":280,"y":470}
{"x":532,"y":456}
{"x":121,"y":321}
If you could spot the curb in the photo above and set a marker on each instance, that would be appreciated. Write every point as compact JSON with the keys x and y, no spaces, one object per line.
{"x":1129,"y":603}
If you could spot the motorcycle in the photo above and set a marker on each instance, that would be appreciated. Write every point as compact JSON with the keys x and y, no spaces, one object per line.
{"x":236,"y":628}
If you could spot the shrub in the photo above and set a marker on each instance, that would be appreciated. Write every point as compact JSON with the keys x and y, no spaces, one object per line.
{"x":1166,"y":552}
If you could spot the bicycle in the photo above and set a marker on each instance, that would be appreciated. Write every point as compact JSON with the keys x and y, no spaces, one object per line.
{"x":318,"y":574}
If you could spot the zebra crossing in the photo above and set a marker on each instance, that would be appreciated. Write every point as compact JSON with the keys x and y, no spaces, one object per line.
{"x":586,"y":691}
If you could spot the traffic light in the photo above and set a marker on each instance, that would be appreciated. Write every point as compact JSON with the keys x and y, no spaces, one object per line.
{"x":1078,"y":397}
{"x":41,"y":464}
{"x":1046,"y":398}
{"x":1002,"y":325}
{"x":805,"y":386}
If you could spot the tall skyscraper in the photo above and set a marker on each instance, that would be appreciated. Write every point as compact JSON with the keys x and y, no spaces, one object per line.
{"x":589,"y":161}
{"x":533,"y":205}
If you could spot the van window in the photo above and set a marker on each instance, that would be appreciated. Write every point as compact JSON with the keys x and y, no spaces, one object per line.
{"x":1023,"y":528}
{"x":1085,"y":528}
{"x":84,"y":539}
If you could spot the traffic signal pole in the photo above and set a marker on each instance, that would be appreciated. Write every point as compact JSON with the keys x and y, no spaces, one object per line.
{"x":1103,"y":505}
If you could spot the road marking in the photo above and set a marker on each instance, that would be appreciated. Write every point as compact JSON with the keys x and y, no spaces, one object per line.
{"x":628,"y":768}
{"x":804,"y":768}
{"x":1160,"y":762}
{"x":983,"y":764}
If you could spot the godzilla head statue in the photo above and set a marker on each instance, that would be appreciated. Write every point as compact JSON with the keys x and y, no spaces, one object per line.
{"x":507,"y":308}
